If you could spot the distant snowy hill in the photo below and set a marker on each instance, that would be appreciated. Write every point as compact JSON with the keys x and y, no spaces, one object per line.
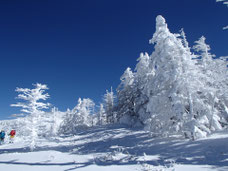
{"x":116,"y":147}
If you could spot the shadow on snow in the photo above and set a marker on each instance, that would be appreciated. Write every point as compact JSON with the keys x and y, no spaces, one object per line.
{"x":134,"y":143}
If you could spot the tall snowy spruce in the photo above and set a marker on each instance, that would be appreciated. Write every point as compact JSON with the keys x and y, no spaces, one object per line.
{"x":33,"y":107}
{"x":171,"y":84}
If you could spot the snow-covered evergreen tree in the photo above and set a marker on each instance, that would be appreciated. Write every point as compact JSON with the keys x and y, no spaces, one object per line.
{"x":126,"y":98}
{"x":174,"y":84}
{"x":78,"y":118}
{"x":132,"y":98}
{"x":142,"y":73}
{"x":102,"y":117}
{"x":174,"y":90}
{"x":33,"y":106}
{"x":214,"y":76}
{"x":109,"y":99}
{"x":54,"y":121}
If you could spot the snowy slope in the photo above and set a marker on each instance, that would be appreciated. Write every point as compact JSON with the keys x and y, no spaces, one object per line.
{"x":116,"y":147}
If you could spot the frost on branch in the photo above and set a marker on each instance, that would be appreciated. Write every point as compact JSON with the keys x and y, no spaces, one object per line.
{"x":32,"y":97}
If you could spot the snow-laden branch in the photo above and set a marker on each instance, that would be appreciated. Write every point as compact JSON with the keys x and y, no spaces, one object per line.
{"x":225,"y":28}
{"x":225,"y":2}
{"x":32,"y":98}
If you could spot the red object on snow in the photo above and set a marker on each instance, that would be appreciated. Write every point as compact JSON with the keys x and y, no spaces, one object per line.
{"x":13,"y":132}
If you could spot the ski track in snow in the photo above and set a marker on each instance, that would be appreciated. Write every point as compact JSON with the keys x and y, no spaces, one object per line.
{"x":116,"y":147}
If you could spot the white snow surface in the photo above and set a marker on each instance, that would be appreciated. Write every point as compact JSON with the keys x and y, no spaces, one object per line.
{"x":117,"y":148}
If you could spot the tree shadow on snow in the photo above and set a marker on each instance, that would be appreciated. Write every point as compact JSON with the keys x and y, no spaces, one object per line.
{"x":15,"y":150}
{"x":135,"y":143}
{"x":76,"y":165}
{"x":105,"y":143}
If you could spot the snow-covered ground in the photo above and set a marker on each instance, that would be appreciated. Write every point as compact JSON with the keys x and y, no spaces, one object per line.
{"x":116,"y":148}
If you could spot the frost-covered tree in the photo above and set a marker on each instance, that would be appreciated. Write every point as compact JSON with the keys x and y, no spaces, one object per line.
{"x":78,"y":118}
{"x":66,"y":128}
{"x":53,"y":121}
{"x":215,"y":80}
{"x":181,"y":94}
{"x":126,"y":98}
{"x":173,"y":85}
{"x":132,"y":98}
{"x":109,"y":99}
{"x":102,"y":117}
{"x":49,"y":122}
{"x":142,"y":67}
{"x":33,"y":106}
{"x":174,"y":90}
{"x":184,"y":40}
{"x":142,"y":73}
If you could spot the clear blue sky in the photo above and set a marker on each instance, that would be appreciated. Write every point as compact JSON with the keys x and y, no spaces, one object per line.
{"x":80,"y":48}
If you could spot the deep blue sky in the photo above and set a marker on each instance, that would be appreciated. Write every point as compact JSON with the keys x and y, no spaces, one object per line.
{"x":80,"y":48}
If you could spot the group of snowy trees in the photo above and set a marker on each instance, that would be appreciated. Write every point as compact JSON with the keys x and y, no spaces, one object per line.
{"x":176,"y":89}
{"x":38,"y":123}
{"x":79,"y":117}
{"x":84,"y":114}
